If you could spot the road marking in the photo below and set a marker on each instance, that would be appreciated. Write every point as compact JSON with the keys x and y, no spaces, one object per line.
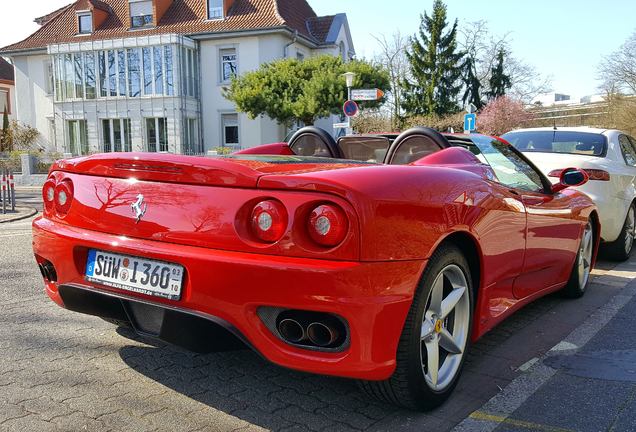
{"x":564,"y":346}
{"x":527,"y":365}
{"x":478,"y":415}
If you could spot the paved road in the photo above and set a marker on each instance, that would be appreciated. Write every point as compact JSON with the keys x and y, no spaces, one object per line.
{"x":30,"y":196}
{"x":68,"y":372}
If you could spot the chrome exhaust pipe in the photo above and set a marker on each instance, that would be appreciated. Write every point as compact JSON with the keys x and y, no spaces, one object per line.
{"x":321,"y":334}
{"x":42,"y":272}
{"x":291,"y":330}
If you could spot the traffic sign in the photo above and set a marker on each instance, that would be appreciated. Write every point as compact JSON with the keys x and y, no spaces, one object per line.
{"x":341,"y":125}
{"x":470,"y":123}
{"x":350,"y":108}
{"x":366,"y":94}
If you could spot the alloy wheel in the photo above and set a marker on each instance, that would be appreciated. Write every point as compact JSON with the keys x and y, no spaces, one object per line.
{"x":630,"y":230}
{"x":585,"y":255}
{"x":444,"y":331}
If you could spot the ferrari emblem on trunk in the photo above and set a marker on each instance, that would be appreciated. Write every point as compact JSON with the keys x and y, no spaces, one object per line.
{"x":139,"y":208}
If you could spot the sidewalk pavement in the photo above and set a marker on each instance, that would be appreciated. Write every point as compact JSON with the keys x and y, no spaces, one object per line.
{"x":585,"y":383}
{"x":21,"y":212}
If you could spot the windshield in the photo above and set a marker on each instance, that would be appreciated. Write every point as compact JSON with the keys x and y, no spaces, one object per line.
{"x":580,"y":143}
{"x":510,"y":168}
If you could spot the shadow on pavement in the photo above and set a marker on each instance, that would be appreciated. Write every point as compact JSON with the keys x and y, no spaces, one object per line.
{"x":242,"y":384}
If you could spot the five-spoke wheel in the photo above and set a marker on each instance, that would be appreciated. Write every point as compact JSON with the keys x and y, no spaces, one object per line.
{"x":445,"y":327}
{"x":435,"y":337}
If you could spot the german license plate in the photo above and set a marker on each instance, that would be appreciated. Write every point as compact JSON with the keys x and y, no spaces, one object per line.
{"x":135,"y":274}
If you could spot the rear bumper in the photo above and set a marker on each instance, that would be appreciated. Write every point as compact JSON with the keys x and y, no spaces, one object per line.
{"x":227,"y":288}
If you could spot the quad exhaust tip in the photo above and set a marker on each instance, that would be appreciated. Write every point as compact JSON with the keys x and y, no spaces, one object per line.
{"x":321,"y":334}
{"x":311,"y":329}
{"x":48,"y":271}
{"x":291,"y":330}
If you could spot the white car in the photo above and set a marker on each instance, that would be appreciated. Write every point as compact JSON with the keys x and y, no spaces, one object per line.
{"x":609,"y":158}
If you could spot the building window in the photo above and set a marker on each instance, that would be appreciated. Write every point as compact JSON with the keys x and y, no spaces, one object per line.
{"x":140,"y":13}
{"x":85,"y":23}
{"x":343,"y":52}
{"x":169,"y":71}
{"x":300,"y":56}
{"x":118,"y":73}
{"x":134,"y":73}
{"x":230,"y":129}
{"x":191,"y":137}
{"x":215,"y":9}
{"x":77,"y":137}
{"x":50,"y":77}
{"x":116,"y":135}
{"x":52,"y":134}
{"x":190,"y":72}
{"x":229,"y":67}
{"x":90,"y":81}
{"x":157,"y":134}
{"x":4,"y":101}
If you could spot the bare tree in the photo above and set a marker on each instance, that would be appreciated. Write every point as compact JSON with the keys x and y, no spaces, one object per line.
{"x":392,"y":57}
{"x":617,"y":71}
{"x":483,"y":48}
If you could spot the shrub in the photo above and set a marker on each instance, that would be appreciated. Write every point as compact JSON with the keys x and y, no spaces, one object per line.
{"x":502,"y":115}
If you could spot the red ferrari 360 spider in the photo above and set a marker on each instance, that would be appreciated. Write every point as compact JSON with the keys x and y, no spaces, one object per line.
{"x":379,"y":258}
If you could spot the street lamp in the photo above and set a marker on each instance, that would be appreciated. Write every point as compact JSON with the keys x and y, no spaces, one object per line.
{"x":349,"y":76}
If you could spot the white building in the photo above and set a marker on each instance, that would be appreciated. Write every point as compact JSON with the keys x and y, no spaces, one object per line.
{"x":148,"y":75}
{"x":7,"y":90}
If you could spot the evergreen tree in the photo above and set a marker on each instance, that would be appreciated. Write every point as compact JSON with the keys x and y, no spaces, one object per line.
{"x":500,"y":83}
{"x":435,"y":67}
{"x":472,"y":93}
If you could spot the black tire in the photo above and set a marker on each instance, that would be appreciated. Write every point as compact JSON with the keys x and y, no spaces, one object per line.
{"x":617,"y":250}
{"x":577,"y":284}
{"x":407,"y":387}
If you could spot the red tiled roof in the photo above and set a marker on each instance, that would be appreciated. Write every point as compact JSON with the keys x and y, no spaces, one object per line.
{"x":319,"y":26}
{"x":48,"y":17}
{"x":183,"y":17}
{"x":6,"y":70}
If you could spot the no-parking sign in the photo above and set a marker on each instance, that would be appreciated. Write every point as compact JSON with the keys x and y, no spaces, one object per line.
{"x":350,"y":108}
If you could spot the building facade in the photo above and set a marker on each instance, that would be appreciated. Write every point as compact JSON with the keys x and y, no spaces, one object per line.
{"x":7,"y":90}
{"x":148,"y":75}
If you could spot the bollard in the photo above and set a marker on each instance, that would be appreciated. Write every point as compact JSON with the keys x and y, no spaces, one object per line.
{"x":12,"y":191}
{"x":4,"y":193}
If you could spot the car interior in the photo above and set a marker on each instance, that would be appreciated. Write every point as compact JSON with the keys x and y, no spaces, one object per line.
{"x":390,"y":149}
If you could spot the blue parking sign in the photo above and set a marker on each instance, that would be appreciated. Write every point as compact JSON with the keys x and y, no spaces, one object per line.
{"x":470,"y":122}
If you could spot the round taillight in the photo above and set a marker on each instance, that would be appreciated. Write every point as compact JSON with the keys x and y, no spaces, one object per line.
{"x":63,"y":197}
{"x":269,"y":221}
{"x":328,"y":225}
{"x":48,"y":194}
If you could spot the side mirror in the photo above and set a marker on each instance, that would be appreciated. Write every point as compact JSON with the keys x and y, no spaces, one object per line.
{"x":570,"y":177}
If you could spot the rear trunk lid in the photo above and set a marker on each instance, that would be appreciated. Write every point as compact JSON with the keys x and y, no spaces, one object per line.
{"x":205,"y":202}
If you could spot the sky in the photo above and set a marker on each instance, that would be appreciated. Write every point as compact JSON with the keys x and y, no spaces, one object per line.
{"x":564,"y":39}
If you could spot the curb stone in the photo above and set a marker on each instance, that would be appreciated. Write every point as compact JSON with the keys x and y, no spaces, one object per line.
{"x":30,"y":211}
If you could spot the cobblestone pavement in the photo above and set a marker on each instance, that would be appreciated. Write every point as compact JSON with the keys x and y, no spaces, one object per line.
{"x":62,"y":371}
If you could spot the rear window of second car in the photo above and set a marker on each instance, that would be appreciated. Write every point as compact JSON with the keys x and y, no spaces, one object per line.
{"x":579,"y":143}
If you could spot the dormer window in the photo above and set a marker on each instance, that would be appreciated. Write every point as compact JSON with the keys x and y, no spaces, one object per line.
{"x":140,"y":13}
{"x":85,"y":23}
{"x":215,"y":9}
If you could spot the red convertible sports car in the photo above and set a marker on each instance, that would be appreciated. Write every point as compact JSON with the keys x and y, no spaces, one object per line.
{"x":379,"y":258}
